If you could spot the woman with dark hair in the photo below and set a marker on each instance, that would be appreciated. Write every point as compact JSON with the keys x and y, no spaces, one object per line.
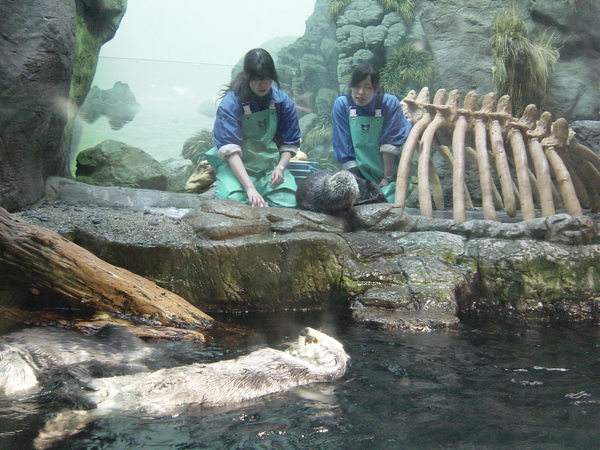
{"x":369,"y":129}
{"x":256,"y":133}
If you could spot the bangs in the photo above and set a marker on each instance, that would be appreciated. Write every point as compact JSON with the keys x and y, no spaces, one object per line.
{"x":361,"y":72}
{"x":261,"y":72}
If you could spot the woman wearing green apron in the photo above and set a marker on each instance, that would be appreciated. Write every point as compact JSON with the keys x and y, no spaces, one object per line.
{"x":256,"y":133}
{"x":369,"y":130}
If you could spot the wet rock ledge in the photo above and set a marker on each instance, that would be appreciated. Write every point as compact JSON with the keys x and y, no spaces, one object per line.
{"x":392,"y":269}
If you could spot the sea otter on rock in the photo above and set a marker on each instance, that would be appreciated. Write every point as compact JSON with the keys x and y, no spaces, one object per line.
{"x":335,"y":193}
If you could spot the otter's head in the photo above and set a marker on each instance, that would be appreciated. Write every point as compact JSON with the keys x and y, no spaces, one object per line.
{"x":16,"y":373}
{"x":323,"y":351}
{"x":343,"y":187}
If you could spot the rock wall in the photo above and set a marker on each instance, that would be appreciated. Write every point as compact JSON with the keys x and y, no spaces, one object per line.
{"x":308,"y":67}
{"x":574,"y":87}
{"x":36,"y":65}
{"x":458,"y":33}
{"x":48,"y":54}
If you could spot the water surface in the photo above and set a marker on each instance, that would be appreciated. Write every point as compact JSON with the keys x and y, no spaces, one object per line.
{"x":483,"y":386}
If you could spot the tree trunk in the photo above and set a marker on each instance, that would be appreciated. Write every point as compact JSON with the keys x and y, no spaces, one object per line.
{"x":46,"y":261}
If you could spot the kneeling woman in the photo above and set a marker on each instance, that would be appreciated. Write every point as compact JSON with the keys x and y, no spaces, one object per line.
{"x":369,"y":130}
{"x":256,"y":133}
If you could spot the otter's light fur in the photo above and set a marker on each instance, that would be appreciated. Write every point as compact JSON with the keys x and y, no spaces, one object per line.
{"x":27,"y":353}
{"x":17,"y":371}
{"x":317,"y":357}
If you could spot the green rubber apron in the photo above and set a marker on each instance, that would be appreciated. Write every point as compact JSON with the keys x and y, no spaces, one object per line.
{"x":260,"y":155}
{"x":365,"y":132}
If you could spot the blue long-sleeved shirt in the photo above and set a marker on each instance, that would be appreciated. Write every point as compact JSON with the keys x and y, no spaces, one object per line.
{"x":395,"y":126}
{"x":227,"y":131}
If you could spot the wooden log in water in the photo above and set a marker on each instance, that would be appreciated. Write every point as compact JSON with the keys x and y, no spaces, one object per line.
{"x":44,"y":260}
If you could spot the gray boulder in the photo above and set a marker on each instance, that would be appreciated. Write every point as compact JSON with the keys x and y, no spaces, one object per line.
{"x":587,"y":132}
{"x":178,"y":172}
{"x":113,"y":163}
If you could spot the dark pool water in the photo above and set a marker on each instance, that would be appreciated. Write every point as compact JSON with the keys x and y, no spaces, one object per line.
{"x":483,"y":386}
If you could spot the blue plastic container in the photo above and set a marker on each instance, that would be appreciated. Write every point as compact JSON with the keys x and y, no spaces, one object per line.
{"x":301,"y":169}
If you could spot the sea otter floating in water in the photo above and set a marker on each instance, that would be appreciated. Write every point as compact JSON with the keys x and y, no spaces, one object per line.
{"x":316,"y":357}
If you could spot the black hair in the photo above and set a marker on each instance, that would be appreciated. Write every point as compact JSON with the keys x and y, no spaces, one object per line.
{"x":258,"y":65}
{"x":361,"y":72}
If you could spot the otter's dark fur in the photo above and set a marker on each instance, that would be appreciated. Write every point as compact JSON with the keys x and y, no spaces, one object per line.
{"x":335,"y":193}
{"x":369,"y":192}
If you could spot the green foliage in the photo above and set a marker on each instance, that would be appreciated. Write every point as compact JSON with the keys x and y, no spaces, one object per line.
{"x":522,"y":64}
{"x":320,"y":133}
{"x":336,"y":7}
{"x":407,"y":68}
{"x":196,"y":147}
{"x":406,"y":8}
{"x":317,"y":143}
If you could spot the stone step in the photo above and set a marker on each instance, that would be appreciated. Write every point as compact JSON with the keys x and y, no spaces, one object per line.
{"x":397,"y":319}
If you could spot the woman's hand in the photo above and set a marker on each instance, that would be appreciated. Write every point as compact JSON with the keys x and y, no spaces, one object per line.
{"x":277,"y":176}
{"x":254,"y":198}
{"x":237,"y":166}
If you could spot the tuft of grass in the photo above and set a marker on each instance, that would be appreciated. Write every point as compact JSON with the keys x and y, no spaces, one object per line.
{"x":406,"y":8}
{"x":320,"y":133}
{"x":316,"y":143}
{"x":336,"y":7}
{"x":522,"y":64}
{"x":407,"y":68}
{"x":196,"y":147}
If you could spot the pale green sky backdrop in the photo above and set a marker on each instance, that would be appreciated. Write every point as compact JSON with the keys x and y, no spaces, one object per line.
{"x":204,"y":31}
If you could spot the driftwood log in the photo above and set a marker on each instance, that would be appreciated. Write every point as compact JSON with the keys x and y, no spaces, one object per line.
{"x":47,"y":262}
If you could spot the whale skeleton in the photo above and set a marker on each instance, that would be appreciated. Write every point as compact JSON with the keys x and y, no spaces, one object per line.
{"x":551,"y":168}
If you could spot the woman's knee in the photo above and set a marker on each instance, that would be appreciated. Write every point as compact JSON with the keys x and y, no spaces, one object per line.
{"x":284,"y":198}
{"x":238,"y":196}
